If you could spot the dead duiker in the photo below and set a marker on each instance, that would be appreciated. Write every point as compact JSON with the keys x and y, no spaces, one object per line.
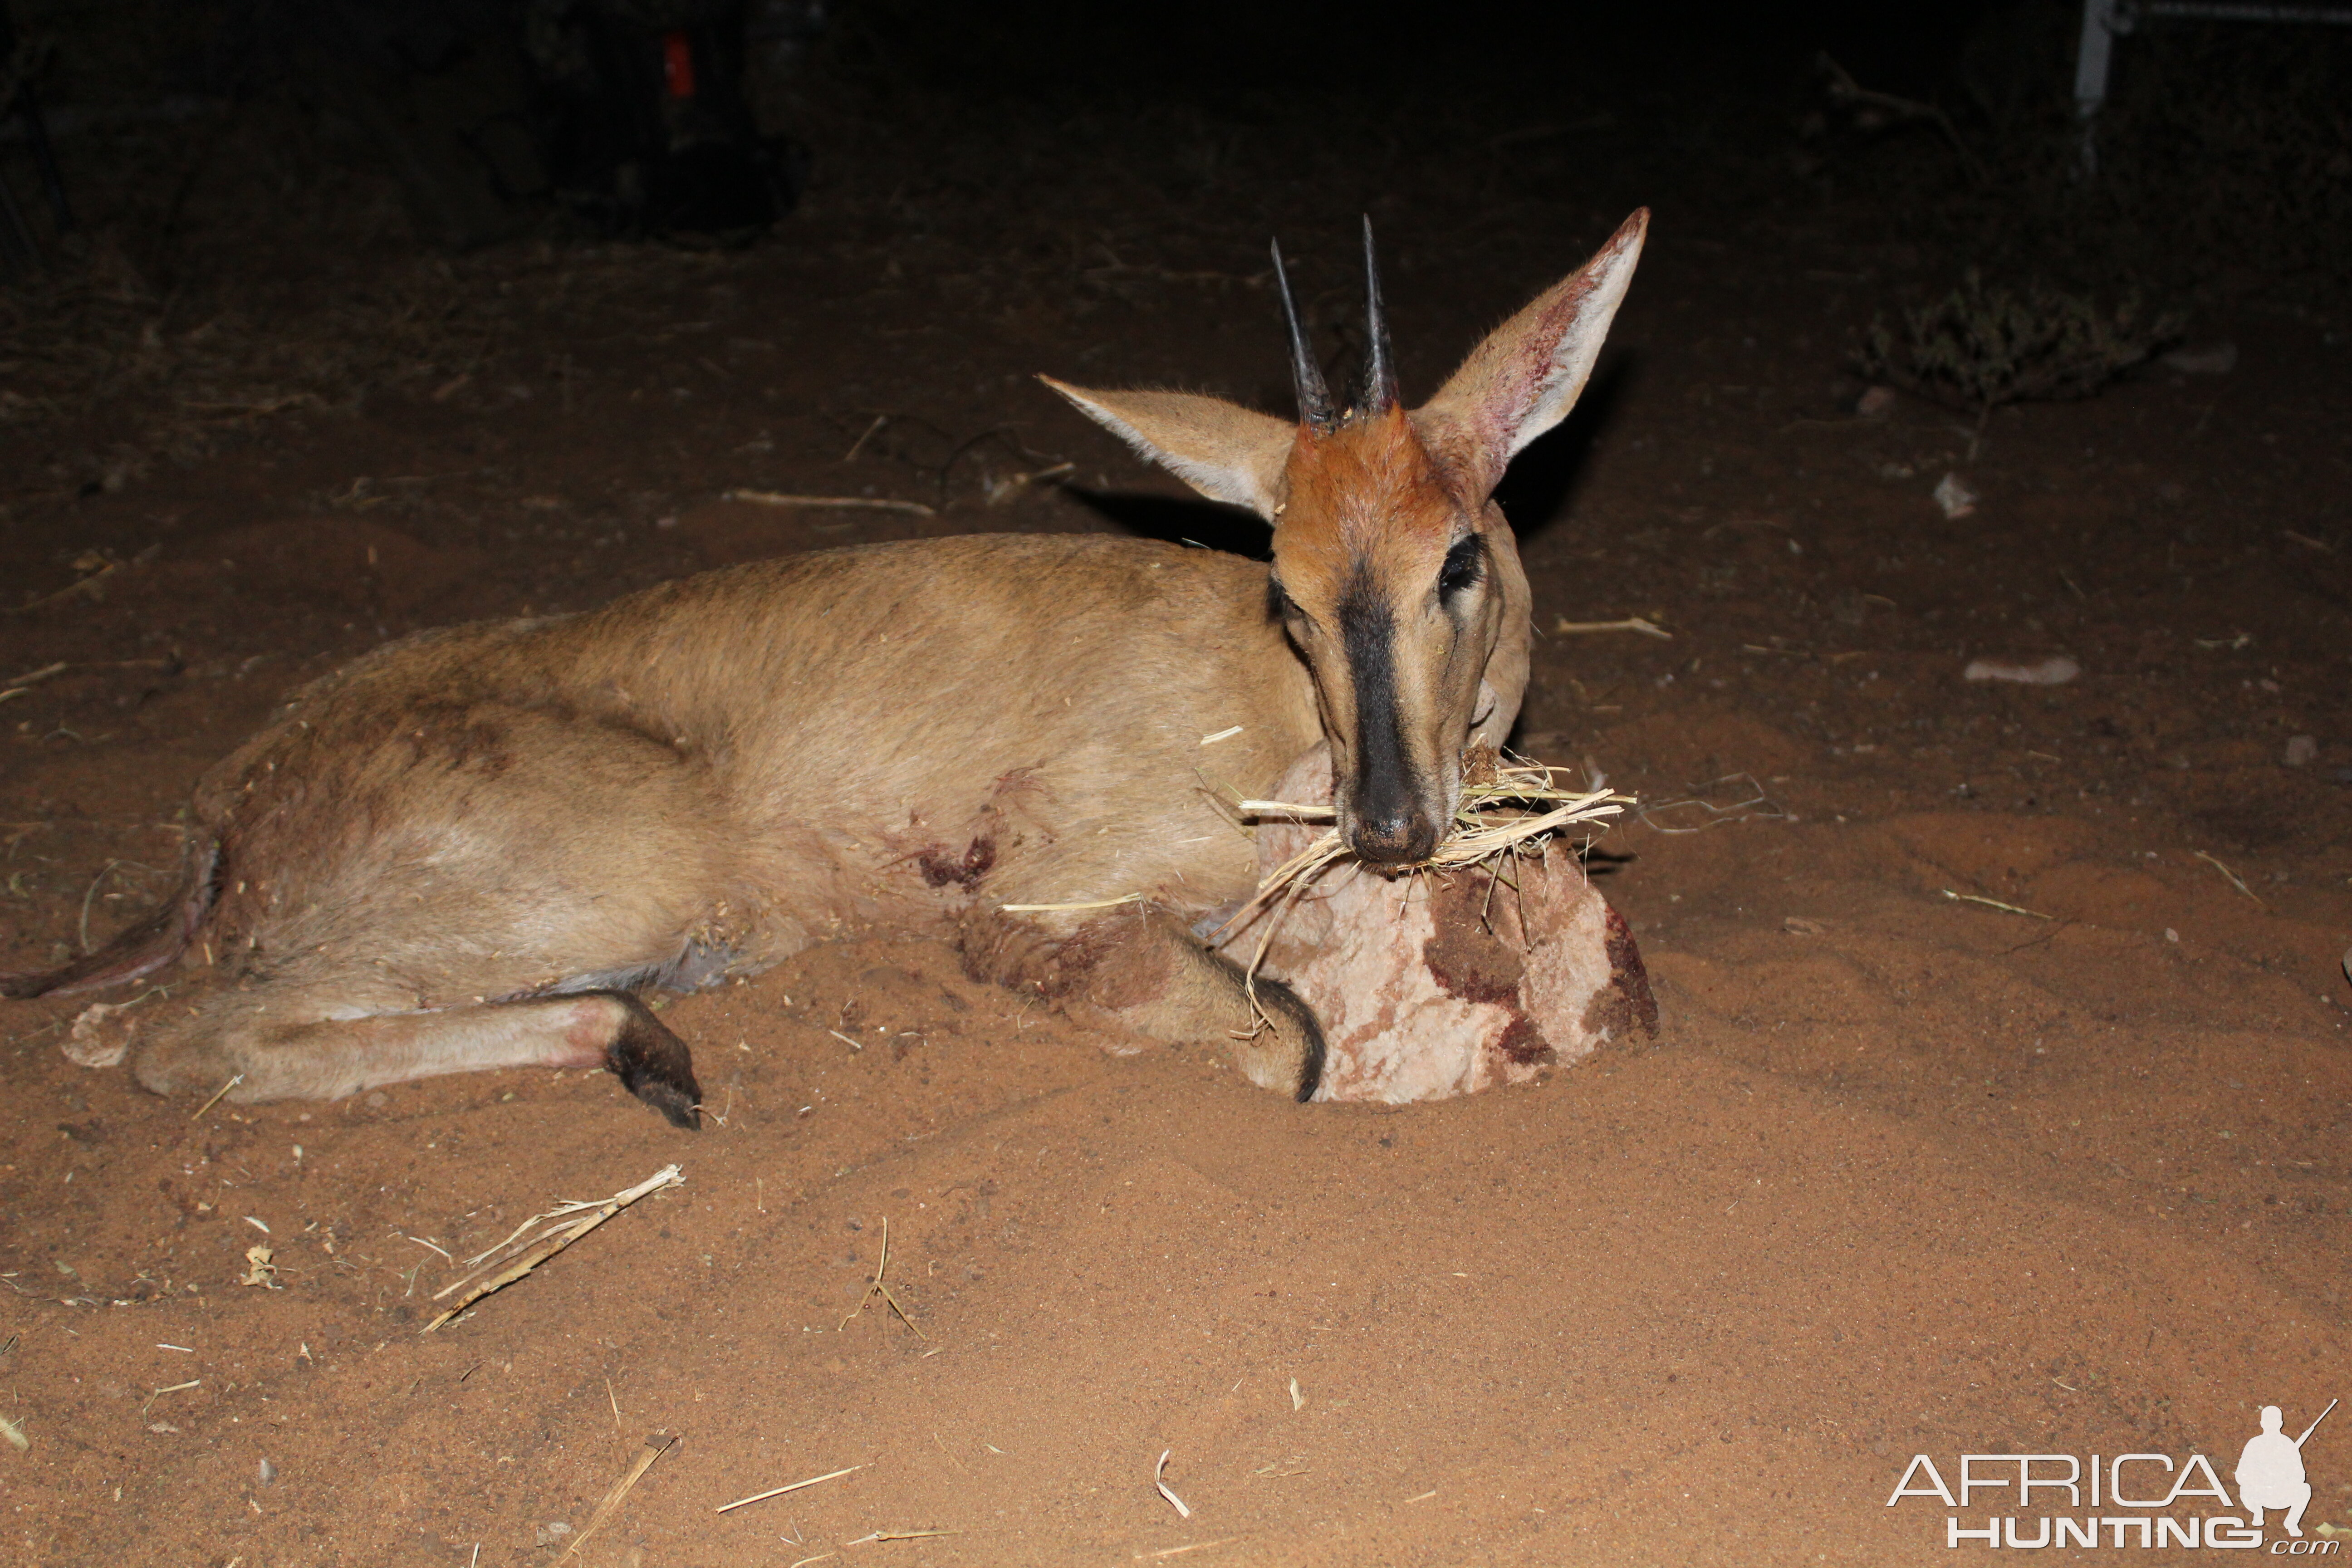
{"x":476,"y":846}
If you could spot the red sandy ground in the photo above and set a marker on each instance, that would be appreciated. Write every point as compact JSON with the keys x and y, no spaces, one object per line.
{"x":1904,"y":1174}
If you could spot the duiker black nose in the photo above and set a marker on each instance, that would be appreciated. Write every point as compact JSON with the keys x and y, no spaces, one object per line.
{"x":1402,"y":837}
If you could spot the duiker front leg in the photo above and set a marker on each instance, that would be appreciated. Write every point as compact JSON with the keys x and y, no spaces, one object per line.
{"x":1142,"y":971}
{"x":329,"y":1058}
{"x":1160,"y":982}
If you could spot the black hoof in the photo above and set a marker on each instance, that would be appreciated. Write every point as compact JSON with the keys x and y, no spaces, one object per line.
{"x":654,"y":1065}
{"x":1297,"y":1014}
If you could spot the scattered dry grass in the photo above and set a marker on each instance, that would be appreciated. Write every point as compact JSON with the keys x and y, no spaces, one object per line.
{"x":879,"y":1286}
{"x":175,"y":375}
{"x":1510,"y":807}
{"x":539,"y":1238}
{"x":1980,"y":346}
{"x":655,"y":1446}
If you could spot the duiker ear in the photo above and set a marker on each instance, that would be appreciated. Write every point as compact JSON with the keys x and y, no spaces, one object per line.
{"x":1220,"y":449}
{"x":1527,"y":375}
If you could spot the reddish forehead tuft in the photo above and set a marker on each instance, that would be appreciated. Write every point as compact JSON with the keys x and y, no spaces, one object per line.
{"x":1368,"y":487}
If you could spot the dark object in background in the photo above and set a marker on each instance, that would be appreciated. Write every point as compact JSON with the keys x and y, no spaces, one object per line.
{"x":20,"y":247}
{"x":649,"y":130}
{"x":628,"y":113}
{"x":1981,"y":346}
{"x":442,"y":91}
{"x":780,"y":34}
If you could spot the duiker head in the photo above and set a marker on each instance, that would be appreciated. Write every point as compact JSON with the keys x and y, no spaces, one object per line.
{"x":1394,"y":571}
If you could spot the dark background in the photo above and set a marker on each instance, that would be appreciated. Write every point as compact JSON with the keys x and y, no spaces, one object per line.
{"x":2226,"y":156}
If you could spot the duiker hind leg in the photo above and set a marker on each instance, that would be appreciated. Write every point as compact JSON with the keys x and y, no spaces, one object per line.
{"x":1142,"y":971}
{"x":298,"y":1049}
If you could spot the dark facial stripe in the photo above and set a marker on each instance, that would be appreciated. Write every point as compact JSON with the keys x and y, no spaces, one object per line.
{"x":1368,"y":632}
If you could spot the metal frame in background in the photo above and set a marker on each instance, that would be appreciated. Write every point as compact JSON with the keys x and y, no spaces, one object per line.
{"x":2104,"y":21}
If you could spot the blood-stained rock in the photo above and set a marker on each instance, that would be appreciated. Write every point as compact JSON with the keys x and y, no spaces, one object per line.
{"x":1433,"y":983}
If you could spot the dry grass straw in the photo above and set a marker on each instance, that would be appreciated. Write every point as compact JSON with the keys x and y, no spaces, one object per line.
{"x":2234,"y":880}
{"x":831,"y":503}
{"x":539,"y":1238}
{"x":1160,"y":1481}
{"x":1648,"y":628}
{"x":89,"y":585}
{"x":1188,"y":1547}
{"x":215,"y":1099}
{"x":877,"y":1287}
{"x":17,"y":685}
{"x":103,"y":338}
{"x":154,"y":1394}
{"x":1756,"y":805}
{"x":1996,"y":904}
{"x":174,"y":371}
{"x":791,"y":1487}
{"x":655,"y":1446}
{"x":1509,"y":808}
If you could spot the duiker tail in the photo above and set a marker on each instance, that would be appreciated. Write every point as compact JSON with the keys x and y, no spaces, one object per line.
{"x":139,"y":950}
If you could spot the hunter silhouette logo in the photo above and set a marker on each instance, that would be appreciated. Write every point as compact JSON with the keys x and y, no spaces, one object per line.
{"x":2120,"y":1501}
{"x":2270,"y":1471}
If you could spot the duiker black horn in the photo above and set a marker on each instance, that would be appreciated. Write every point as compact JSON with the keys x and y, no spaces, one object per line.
{"x":1380,"y":367}
{"x":1313,"y":398}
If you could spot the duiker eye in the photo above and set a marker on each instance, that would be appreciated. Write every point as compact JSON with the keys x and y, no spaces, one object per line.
{"x":1466,"y":564}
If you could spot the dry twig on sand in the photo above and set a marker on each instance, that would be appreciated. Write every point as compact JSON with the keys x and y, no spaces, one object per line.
{"x":1630,"y":624}
{"x":832,"y":504}
{"x":2234,"y":880}
{"x":1159,"y":1479}
{"x":1188,"y":1546}
{"x":1755,"y":805}
{"x":1996,"y":904}
{"x":794,"y":1487}
{"x":655,"y":1446}
{"x":876,"y":1286}
{"x":17,"y":685}
{"x":541,"y":1237}
{"x":217,"y":1093}
{"x":81,"y":585}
